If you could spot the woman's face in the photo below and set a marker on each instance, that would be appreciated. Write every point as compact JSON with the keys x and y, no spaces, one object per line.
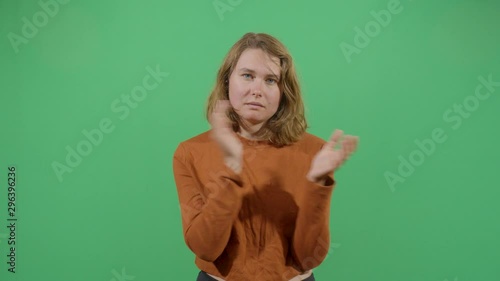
{"x":255,"y":80}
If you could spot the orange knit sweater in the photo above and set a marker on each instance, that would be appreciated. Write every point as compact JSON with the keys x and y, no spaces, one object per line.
{"x":266,"y":223}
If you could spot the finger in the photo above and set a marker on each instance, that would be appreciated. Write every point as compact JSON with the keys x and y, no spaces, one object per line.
{"x":354,"y":144}
{"x":345,"y":147}
{"x":222,"y":106}
{"x":334,"y":139}
{"x":351,"y":144}
{"x":219,"y":115}
{"x":340,"y":160}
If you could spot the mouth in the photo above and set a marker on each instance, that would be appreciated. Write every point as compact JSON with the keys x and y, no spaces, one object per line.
{"x":255,"y":104}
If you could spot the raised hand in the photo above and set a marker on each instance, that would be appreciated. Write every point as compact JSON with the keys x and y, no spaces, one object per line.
{"x":329,"y":158}
{"x":222,"y":133}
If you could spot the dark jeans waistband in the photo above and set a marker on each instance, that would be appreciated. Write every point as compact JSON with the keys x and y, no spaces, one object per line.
{"x":203,"y":276}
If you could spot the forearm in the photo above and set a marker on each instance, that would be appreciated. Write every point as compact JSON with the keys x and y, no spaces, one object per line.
{"x":209,"y":222}
{"x":311,"y":236}
{"x":208,"y":232}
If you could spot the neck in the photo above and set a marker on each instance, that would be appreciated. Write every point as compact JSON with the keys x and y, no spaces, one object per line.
{"x":248,"y":131}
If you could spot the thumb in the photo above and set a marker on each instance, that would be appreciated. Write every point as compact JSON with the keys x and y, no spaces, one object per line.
{"x":333,"y":140}
{"x":222,"y":106}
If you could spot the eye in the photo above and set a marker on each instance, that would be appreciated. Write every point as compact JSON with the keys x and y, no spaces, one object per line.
{"x":246,"y":75}
{"x":271,"y":81}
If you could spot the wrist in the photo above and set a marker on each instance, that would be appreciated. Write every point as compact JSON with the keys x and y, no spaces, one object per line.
{"x":312,"y":178}
{"x":322,"y":180}
{"x":234,"y":163}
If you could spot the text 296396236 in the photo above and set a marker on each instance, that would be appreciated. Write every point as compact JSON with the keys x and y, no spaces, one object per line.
{"x":11,"y":218}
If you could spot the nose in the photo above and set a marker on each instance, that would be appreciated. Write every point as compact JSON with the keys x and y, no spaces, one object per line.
{"x":256,"y":88}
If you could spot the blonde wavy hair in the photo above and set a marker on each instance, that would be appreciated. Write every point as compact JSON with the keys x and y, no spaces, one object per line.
{"x":288,"y":124}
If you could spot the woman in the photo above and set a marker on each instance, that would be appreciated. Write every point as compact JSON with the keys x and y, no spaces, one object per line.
{"x":255,"y":189}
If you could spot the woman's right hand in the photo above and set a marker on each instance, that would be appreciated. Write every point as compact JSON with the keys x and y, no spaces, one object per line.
{"x":222,"y":133}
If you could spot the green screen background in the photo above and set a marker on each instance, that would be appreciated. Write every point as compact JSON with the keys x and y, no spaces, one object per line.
{"x":117,"y":211}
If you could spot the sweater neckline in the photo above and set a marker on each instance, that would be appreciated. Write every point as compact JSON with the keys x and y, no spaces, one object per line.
{"x":251,"y":142}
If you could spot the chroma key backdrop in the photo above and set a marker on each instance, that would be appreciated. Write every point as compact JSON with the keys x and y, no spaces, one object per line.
{"x":96,"y":96}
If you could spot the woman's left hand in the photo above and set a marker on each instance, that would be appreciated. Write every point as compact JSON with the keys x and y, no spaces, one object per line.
{"x":328,"y":159}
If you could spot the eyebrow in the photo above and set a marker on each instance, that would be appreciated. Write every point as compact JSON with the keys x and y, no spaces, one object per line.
{"x":244,"y":69}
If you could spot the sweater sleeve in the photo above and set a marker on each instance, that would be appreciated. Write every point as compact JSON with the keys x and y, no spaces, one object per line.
{"x":206,"y":220}
{"x":311,"y":237}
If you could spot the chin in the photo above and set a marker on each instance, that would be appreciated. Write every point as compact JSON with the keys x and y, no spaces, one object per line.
{"x":253,"y":121}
